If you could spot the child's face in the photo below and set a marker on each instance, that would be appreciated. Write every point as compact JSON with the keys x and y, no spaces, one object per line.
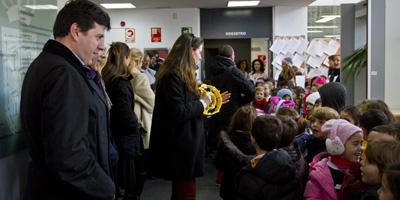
{"x":260,"y":95}
{"x":286,"y":97}
{"x":316,"y":128}
{"x":315,"y":87}
{"x":347,"y":117}
{"x":267,"y":89}
{"x":370,"y":173}
{"x":310,"y":107}
{"x":384,"y":191}
{"x":379,"y":136}
{"x":353,"y":148}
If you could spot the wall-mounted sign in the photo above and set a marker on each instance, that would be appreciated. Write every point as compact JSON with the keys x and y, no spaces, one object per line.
{"x":235,"y":33}
{"x":233,"y":23}
{"x":130,"y":35}
{"x":186,"y":30}
{"x":156,"y":34}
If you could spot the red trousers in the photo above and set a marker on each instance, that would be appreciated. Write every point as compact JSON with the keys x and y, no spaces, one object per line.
{"x":184,"y":189}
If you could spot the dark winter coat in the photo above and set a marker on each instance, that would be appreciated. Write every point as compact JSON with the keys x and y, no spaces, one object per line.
{"x":65,"y":116}
{"x":227,"y":77}
{"x":124,"y":123}
{"x":177,"y":139}
{"x":333,"y":95}
{"x":234,"y":153}
{"x":273,"y":177}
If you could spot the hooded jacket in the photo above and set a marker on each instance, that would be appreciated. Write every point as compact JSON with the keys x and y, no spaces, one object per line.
{"x":227,"y":77}
{"x":333,"y":95}
{"x":273,"y":178}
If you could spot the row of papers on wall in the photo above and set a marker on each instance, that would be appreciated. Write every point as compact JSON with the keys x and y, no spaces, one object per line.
{"x":314,"y":53}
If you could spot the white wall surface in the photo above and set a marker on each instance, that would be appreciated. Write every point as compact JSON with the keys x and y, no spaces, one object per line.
{"x":13,"y":173}
{"x":392,"y":49}
{"x":142,"y":20}
{"x":288,"y":20}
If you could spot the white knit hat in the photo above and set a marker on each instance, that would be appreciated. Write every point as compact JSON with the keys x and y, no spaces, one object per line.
{"x":312,"y":98}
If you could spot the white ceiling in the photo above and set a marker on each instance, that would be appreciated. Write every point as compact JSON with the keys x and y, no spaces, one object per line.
{"x":202,"y":3}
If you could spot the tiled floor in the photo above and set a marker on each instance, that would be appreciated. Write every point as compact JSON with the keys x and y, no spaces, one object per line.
{"x":206,"y":187}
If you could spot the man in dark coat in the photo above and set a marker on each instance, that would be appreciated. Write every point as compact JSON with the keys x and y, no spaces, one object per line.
{"x":64,"y":110}
{"x":227,"y":77}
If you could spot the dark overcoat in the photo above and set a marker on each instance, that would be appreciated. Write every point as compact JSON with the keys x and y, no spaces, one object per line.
{"x":177,"y":140}
{"x":65,"y":116}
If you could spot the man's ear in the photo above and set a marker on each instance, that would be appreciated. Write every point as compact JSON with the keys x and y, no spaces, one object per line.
{"x":74,"y":31}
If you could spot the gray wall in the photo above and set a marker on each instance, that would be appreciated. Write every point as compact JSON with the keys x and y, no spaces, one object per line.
{"x":377,"y":48}
{"x":347,"y":45}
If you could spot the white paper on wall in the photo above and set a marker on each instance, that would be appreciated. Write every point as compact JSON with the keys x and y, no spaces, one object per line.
{"x":314,"y":48}
{"x":323,"y":46}
{"x":332,"y":47}
{"x":298,"y":60}
{"x":294,"y":46}
{"x":276,"y":75}
{"x":302,"y":46}
{"x":316,"y":61}
{"x":286,"y":47}
{"x":301,"y":80}
{"x":277,"y":46}
{"x":277,"y":62}
{"x":326,"y":61}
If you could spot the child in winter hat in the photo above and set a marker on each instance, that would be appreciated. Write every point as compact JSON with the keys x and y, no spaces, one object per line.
{"x":337,"y":176}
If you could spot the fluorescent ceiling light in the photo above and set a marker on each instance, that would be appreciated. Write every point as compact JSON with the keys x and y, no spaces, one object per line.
{"x":242,"y":3}
{"x":322,"y":26}
{"x":334,"y":2}
{"x":332,"y":36}
{"x":117,"y":5}
{"x":314,"y":31}
{"x":41,"y":7}
{"x":327,"y":18}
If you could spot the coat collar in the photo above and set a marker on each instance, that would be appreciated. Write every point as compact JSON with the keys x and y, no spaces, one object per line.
{"x":55,"y":47}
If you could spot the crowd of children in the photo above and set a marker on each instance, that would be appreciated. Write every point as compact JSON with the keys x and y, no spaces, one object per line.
{"x":305,"y":144}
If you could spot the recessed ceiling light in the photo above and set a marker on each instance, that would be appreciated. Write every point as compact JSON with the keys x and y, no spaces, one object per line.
{"x":332,"y":36}
{"x":327,"y":18}
{"x":314,"y":31}
{"x":322,"y":26}
{"x":117,"y":5}
{"x":242,"y":3}
{"x":333,"y":2}
{"x":41,"y":7}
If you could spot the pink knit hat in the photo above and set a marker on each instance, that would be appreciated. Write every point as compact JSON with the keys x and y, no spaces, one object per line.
{"x":320,"y":81}
{"x":338,"y":131}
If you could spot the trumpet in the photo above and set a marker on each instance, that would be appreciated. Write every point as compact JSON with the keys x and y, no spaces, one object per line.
{"x":216,"y":98}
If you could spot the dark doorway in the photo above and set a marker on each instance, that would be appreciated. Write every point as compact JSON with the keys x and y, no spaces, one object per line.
{"x":242,"y":49}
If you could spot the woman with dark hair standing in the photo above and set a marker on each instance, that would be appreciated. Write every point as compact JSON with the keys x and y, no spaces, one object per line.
{"x":124,"y":123}
{"x":177,"y":147}
{"x":257,"y":71}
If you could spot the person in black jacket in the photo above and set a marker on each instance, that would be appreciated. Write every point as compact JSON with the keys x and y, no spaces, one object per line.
{"x":227,"y":77}
{"x":236,"y":146}
{"x":124,"y":123}
{"x":333,"y":95}
{"x":177,"y":139}
{"x":271,"y":175}
{"x":64,"y":111}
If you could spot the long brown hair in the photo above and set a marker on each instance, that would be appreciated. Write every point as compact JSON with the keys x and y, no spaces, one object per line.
{"x":115,"y":66}
{"x":180,"y":59}
{"x":243,"y":119}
